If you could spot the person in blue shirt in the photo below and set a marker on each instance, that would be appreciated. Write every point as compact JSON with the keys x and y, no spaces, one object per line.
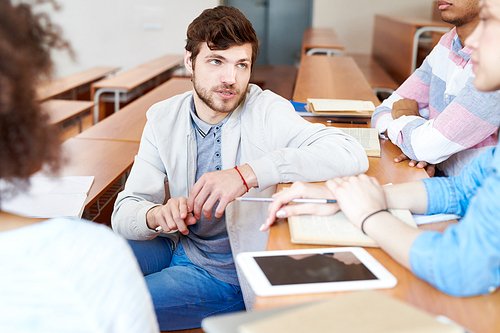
{"x":464,"y":260}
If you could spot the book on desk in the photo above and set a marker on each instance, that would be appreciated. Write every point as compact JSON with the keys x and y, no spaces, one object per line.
{"x":335,"y":229}
{"x":340,"y":107}
{"x":367,"y":137}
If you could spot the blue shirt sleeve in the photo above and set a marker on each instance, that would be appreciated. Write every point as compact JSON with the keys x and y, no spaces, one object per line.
{"x":464,"y":260}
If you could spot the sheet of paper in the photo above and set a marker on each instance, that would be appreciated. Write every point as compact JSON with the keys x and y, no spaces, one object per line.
{"x":341,"y":105}
{"x":424,"y":219}
{"x":50,"y":197}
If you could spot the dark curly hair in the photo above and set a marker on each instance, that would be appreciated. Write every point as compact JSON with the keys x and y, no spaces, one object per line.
{"x":26,"y":140}
{"x":221,"y":27}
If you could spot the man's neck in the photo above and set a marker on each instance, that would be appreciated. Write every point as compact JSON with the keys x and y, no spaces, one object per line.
{"x":466,"y":30}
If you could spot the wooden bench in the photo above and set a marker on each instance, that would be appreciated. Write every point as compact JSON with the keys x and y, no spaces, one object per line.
{"x":334,"y":78}
{"x":69,"y":117}
{"x":321,"y":41}
{"x":128,"y":123}
{"x":396,"y":40}
{"x":331,"y":77}
{"x":76,"y":86}
{"x":127,"y":86}
{"x":382,"y":84}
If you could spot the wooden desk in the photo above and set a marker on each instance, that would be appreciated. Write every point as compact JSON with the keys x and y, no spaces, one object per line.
{"x":321,"y":40}
{"x":70,"y":117}
{"x":331,"y":77}
{"x":395,"y":42}
{"x":479,"y":314}
{"x":108,"y":161}
{"x":70,"y":85}
{"x":134,"y":82}
{"x":128,"y":124}
{"x":376,"y":76}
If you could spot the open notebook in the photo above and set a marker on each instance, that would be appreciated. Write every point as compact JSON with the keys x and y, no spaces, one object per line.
{"x":49,"y":197}
{"x":335,"y":229}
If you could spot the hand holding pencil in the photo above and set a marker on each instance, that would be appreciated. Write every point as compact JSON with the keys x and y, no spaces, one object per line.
{"x":304,"y":193}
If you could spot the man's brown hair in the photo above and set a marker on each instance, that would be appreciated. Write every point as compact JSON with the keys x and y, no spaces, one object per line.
{"x":221,"y":27}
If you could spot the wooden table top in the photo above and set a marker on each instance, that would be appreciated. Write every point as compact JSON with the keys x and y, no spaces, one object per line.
{"x":331,"y":77}
{"x":478,"y":314}
{"x":128,"y":123}
{"x":67,"y":83}
{"x":134,"y":77}
{"x":60,"y":110}
{"x":106,"y":160}
{"x":322,"y":38}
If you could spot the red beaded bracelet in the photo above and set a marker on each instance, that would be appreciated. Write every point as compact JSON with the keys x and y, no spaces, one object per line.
{"x":243,"y":179}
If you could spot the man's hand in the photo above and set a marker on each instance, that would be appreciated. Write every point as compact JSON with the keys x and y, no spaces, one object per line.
{"x":429,"y":168}
{"x":174,"y":215}
{"x":223,"y":186}
{"x":405,"y":107}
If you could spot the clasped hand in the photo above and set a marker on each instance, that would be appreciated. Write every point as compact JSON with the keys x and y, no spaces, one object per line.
{"x":178,"y":213}
{"x":405,"y":107}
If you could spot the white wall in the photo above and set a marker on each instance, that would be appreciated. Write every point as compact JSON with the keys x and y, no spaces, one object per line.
{"x":126,"y":33}
{"x":353,"y":20}
{"x":122,"y":33}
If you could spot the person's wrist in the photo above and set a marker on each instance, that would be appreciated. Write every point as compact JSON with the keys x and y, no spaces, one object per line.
{"x":369,"y":217}
{"x":249,"y":176}
{"x":151,"y":219}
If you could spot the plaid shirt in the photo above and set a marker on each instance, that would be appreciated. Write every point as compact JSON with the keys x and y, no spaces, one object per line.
{"x":457,"y":121}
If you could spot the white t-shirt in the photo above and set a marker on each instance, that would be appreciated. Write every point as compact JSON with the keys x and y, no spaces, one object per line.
{"x":65,"y":275}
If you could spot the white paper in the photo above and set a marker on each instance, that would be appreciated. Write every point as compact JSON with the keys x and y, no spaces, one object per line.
{"x":424,"y":219}
{"x":50,"y":197}
{"x":341,"y":105}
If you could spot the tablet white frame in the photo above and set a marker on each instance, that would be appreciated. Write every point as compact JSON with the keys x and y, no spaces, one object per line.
{"x":262,"y":287}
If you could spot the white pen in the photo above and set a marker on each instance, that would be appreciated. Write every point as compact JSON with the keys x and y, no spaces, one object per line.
{"x":313,"y":201}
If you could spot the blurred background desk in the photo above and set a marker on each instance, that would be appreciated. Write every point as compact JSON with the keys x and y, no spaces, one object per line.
{"x":396,"y":40}
{"x":321,"y":41}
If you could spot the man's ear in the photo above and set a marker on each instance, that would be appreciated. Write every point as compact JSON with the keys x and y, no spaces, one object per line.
{"x":187,"y":62}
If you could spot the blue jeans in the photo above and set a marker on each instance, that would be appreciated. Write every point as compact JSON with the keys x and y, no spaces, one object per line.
{"x":183,"y":294}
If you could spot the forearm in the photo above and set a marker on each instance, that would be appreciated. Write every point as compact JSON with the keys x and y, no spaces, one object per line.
{"x":411,"y":196}
{"x":392,"y":235}
{"x":328,"y":153}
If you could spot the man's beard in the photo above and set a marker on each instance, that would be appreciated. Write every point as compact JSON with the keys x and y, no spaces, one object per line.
{"x":224,"y":106}
{"x":459,"y":21}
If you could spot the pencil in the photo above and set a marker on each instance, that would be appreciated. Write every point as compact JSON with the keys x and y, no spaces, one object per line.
{"x":313,"y":201}
{"x":346,"y":122}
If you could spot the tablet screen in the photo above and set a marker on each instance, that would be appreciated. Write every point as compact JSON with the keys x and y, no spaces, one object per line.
{"x":313,"y":268}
